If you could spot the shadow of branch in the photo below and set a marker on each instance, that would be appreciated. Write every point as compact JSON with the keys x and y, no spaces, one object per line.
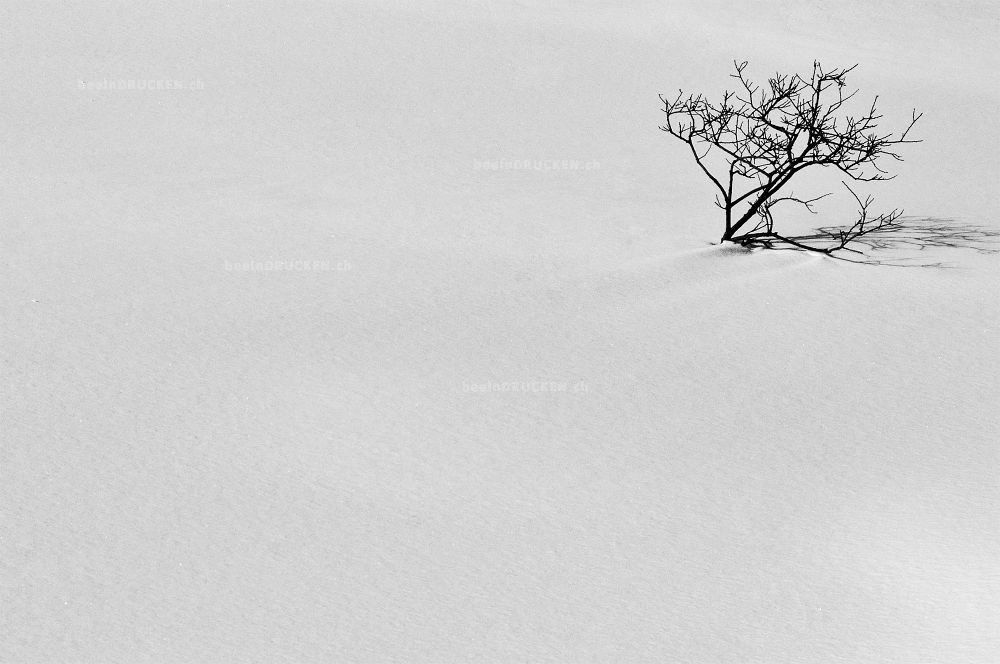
{"x":895,"y":243}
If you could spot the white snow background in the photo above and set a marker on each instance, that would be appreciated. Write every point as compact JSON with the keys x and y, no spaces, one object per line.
{"x":765,"y":457}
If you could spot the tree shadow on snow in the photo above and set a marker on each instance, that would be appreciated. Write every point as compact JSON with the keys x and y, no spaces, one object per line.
{"x":899,"y":244}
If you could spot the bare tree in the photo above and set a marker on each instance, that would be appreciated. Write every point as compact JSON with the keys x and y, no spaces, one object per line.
{"x":753,"y":142}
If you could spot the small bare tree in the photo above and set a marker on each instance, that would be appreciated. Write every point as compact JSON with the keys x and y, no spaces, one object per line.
{"x":752,"y":143}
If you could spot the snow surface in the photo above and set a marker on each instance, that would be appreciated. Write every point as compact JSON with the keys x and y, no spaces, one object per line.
{"x":710,"y":455}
